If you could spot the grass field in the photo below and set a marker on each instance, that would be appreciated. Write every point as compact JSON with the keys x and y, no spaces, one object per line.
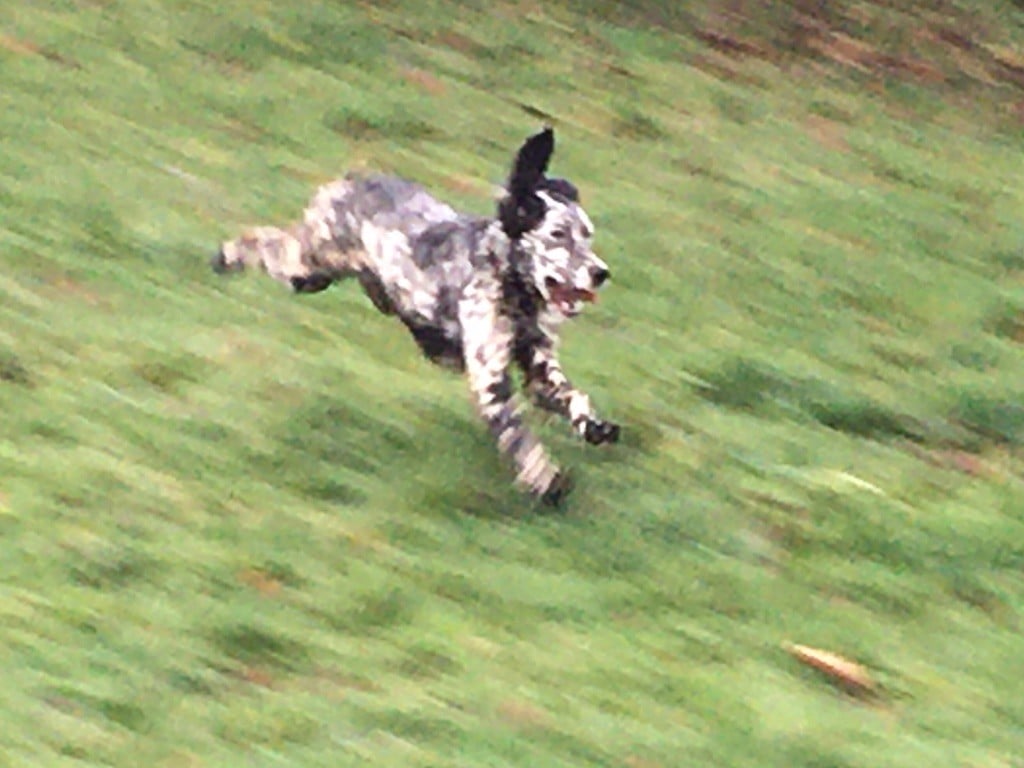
{"x":244,"y":528}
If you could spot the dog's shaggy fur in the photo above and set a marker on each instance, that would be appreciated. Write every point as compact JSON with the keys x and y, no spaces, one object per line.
{"x":477,"y":293}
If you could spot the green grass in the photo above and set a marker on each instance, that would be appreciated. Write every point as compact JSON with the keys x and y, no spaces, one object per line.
{"x":244,"y":528}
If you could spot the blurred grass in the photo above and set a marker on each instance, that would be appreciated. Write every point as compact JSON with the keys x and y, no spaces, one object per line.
{"x":245,"y":528}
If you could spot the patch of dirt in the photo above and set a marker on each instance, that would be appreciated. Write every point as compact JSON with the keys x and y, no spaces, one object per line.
{"x":639,"y":762}
{"x":481,"y":646}
{"x":954,"y":460}
{"x":66,"y":287}
{"x":460,"y":43}
{"x":523,"y":714}
{"x":936,"y":46}
{"x":258,"y":677}
{"x":262,"y":582}
{"x":735,"y":46}
{"x":828,"y":133}
{"x":334,"y":683}
{"x":24,"y":47}
{"x":243,"y":130}
{"x":864,"y":56}
{"x":424,"y":81}
{"x":719,"y":65}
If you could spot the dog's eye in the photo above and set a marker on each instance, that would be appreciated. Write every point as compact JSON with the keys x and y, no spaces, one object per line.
{"x":560,"y":234}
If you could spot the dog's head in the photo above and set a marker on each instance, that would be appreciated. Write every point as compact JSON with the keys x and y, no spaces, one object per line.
{"x":550,"y":232}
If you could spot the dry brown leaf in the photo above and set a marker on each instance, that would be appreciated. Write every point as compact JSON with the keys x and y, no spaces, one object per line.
{"x":425,"y":81}
{"x":22,"y":47}
{"x":258,"y":677}
{"x":523,"y":714}
{"x":843,"y":671}
{"x":638,"y":762}
{"x":829,"y":133}
{"x":260,"y":581}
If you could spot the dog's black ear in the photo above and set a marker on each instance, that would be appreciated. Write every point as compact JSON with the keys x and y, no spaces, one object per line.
{"x":531,"y":162}
{"x":521,"y":209}
{"x":520,"y":213}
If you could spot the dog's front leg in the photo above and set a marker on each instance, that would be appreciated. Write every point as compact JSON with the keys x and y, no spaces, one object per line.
{"x":487,"y":344}
{"x":552,"y":391}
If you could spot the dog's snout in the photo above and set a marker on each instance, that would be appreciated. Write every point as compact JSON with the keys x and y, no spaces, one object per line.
{"x":600,"y":276}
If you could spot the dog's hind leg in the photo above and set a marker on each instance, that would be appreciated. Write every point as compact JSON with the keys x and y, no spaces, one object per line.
{"x":307,"y":256}
{"x":279,"y":253}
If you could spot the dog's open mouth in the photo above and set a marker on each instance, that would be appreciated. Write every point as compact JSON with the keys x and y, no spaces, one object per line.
{"x":567,"y":298}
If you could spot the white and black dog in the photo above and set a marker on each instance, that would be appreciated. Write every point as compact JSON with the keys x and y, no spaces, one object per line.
{"x":477,"y":293}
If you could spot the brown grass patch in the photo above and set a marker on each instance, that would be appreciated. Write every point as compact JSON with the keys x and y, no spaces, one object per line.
{"x":424,"y":81}
{"x":23,"y":47}
{"x":262,"y":582}
{"x":522,"y":714}
{"x":828,"y":133}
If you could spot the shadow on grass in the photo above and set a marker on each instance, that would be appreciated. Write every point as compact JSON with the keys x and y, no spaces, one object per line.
{"x":1006,"y":321}
{"x":122,"y":712}
{"x":13,"y":371}
{"x":371,"y":612}
{"x":747,"y":385}
{"x":974,"y":417}
{"x":425,"y":662}
{"x":322,"y":442}
{"x":393,"y":126}
{"x":636,"y":126}
{"x":253,"y":645}
{"x":113,"y":570}
{"x":995,"y":418}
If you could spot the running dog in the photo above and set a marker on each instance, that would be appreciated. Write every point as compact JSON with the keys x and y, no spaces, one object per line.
{"x":477,"y":293}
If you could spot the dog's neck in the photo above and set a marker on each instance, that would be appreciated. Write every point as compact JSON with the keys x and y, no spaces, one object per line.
{"x":517,"y":285}
{"x":510,"y":264}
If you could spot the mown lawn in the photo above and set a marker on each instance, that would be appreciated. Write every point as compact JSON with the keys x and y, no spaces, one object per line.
{"x":244,"y":528}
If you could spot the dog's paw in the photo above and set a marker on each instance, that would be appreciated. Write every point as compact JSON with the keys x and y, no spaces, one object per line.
{"x":221,"y":266}
{"x":597,"y":432}
{"x":313,"y":283}
{"x":558,"y":489}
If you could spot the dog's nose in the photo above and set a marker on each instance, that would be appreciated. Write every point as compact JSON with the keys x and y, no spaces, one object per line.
{"x":599,"y":276}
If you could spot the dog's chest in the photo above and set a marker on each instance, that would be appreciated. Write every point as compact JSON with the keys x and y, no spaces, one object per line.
{"x":533,"y":321}
{"x":437,"y":330}
{"x":440,"y":335}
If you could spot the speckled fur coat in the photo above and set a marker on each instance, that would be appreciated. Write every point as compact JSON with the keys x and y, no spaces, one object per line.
{"x":478,"y":294}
